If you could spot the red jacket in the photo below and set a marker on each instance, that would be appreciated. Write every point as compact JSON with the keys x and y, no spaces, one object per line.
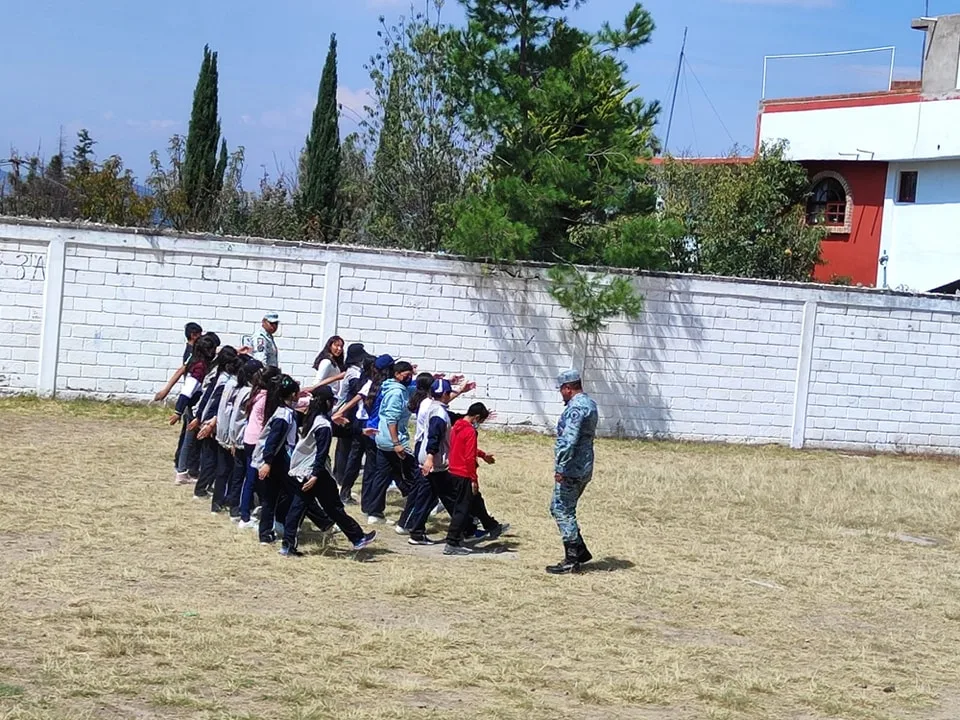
{"x":464,"y":451}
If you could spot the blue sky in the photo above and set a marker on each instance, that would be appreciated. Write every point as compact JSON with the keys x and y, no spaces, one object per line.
{"x":126,"y":70}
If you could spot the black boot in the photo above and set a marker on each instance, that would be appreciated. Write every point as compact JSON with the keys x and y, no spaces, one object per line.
{"x":583,"y":555}
{"x":570,"y":562}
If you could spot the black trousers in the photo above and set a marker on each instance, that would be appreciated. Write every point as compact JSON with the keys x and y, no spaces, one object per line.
{"x":457,"y":495}
{"x":209,"y":459}
{"x":225,"y":468}
{"x":235,"y":484}
{"x":325,"y":495}
{"x":347,"y":462}
{"x":478,"y":508}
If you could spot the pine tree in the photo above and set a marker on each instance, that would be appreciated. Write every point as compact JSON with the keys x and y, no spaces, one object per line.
{"x":319,"y":201}
{"x":200,"y":169}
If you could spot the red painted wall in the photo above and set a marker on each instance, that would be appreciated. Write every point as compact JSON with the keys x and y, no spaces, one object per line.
{"x":855,"y":255}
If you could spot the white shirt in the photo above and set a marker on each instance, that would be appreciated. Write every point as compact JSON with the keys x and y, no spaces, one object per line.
{"x":423,"y":420}
{"x":325,"y":370}
{"x":362,"y":413}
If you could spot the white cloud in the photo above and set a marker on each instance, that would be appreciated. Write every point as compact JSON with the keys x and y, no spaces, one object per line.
{"x":353,"y":102}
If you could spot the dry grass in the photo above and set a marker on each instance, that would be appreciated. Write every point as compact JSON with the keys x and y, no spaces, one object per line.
{"x":730,"y":583}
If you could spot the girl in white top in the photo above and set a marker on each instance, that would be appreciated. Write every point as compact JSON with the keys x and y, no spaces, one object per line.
{"x":330,"y":365}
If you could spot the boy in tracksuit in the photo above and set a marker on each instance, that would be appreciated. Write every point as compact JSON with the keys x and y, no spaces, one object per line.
{"x":464,"y":461}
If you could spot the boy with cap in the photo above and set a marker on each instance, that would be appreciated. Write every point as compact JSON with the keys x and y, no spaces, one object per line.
{"x":574,"y":468}
{"x":264,"y":346}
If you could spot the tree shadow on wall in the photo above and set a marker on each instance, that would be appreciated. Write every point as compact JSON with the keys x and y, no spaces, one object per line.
{"x":531,"y":336}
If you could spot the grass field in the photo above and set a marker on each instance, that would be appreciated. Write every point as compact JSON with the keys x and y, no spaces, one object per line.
{"x":731,"y":582}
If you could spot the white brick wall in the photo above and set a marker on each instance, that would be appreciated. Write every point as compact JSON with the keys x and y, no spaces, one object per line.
{"x":710,"y":359}
{"x":22,"y":272}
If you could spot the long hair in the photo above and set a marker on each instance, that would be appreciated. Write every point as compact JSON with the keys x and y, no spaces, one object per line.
{"x":321,"y":404}
{"x":377,"y":378}
{"x":226,"y":361}
{"x":327,"y":354}
{"x":261,"y":381}
{"x":204,"y":350}
{"x":248,"y":372}
{"x":281,"y":389}
{"x":421,"y":392}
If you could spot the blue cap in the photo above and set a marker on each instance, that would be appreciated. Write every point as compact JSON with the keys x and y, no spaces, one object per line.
{"x":568,"y":376}
{"x":383,"y":362}
{"x":441,"y":387}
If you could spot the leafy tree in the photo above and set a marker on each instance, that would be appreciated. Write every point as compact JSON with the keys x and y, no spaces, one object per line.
{"x":233,"y":202}
{"x":592,"y":299}
{"x":167,"y":186}
{"x":421,"y":152}
{"x":202,"y":174}
{"x":41,"y":192}
{"x":104,"y":193}
{"x":567,"y":135}
{"x":355,"y":192}
{"x":272,"y":213}
{"x":744,"y":219}
{"x":319,"y":200}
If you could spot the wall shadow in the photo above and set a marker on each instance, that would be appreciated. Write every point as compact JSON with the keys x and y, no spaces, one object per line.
{"x":532,"y":337}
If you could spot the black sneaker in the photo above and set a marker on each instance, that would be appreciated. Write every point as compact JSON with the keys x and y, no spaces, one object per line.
{"x":564,"y":568}
{"x":499,"y":530}
{"x":268,"y":539}
{"x":420,"y":539}
{"x":457,"y":550}
{"x":290,"y":552}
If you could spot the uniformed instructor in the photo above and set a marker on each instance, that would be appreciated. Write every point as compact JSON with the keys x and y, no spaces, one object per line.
{"x":574,"y":468}
{"x":264,"y":346}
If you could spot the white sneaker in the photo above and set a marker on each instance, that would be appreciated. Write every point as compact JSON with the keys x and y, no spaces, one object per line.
{"x":248,"y":524}
{"x":401,"y":530}
{"x":376,"y":520}
{"x":182,"y":478}
{"x":255,"y":512}
{"x":437,"y":510}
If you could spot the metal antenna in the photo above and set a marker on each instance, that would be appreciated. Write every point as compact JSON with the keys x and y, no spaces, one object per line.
{"x":676,"y":86}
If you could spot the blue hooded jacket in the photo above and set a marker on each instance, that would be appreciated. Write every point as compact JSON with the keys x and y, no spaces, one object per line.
{"x":395,"y":398}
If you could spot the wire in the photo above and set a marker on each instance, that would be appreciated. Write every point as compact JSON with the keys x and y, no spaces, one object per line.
{"x":712,"y":106}
{"x":693,"y":125}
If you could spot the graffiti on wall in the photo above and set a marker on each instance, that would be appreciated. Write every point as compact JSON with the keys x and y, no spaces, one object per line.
{"x":23,"y":266}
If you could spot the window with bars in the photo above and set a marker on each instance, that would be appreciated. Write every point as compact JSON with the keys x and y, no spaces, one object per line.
{"x":907,"y":190}
{"x":827,"y":204}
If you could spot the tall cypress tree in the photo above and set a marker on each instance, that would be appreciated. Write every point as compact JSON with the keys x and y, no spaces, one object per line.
{"x":320,"y":194}
{"x":200,"y":156}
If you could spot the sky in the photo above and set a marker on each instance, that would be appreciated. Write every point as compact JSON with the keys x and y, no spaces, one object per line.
{"x":126,"y":70}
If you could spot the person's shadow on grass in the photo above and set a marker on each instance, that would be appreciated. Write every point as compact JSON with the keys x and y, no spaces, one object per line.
{"x":607,"y":564}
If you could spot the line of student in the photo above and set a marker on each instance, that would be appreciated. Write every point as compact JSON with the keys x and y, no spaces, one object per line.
{"x":249,"y":430}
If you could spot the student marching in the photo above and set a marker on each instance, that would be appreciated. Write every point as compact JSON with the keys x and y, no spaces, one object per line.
{"x":270,"y":454}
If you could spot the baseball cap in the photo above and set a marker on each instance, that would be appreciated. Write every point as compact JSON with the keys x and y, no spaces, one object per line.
{"x":383,"y":362}
{"x":441,"y":387}
{"x":271,"y":317}
{"x":568,"y":376}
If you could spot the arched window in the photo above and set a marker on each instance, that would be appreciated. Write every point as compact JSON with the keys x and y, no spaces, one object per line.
{"x":830,"y":203}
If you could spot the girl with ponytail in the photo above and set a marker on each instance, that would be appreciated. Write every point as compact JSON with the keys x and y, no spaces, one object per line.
{"x":271,"y":456}
{"x":310,"y":479}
